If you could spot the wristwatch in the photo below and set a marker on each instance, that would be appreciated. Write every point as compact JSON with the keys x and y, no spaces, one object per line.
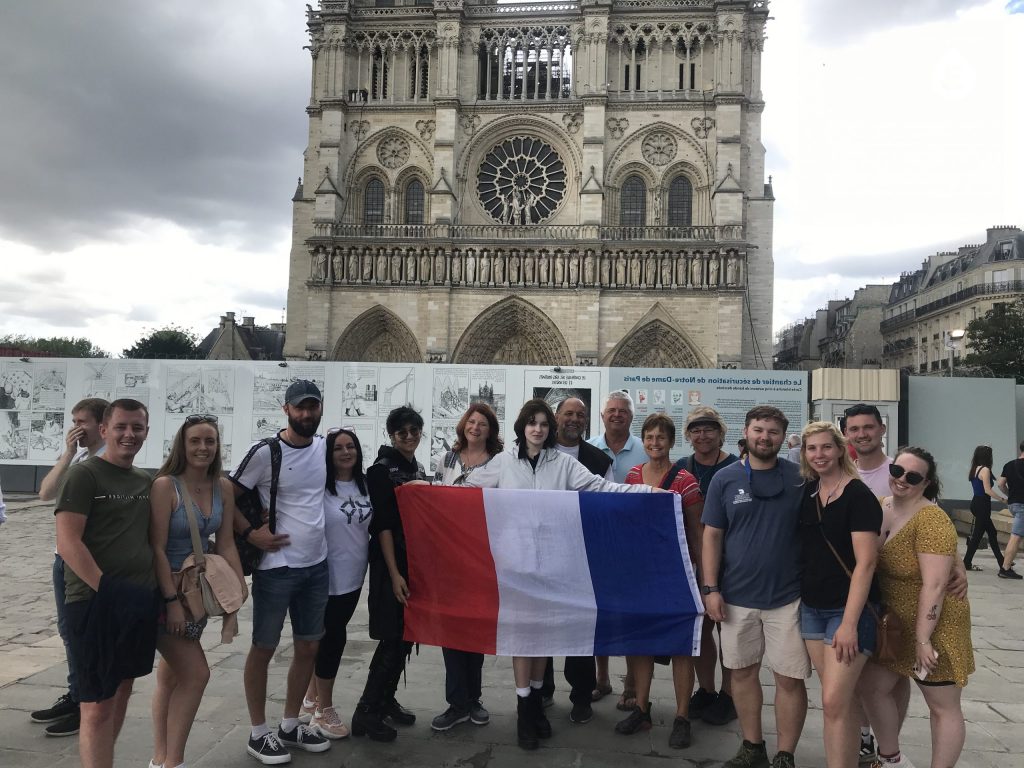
{"x":707,"y":589}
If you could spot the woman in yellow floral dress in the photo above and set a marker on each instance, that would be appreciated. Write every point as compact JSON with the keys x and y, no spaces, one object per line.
{"x":918,"y":548}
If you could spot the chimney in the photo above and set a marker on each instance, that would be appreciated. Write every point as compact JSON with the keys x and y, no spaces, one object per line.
{"x":1000,"y":232}
{"x":248,"y":322}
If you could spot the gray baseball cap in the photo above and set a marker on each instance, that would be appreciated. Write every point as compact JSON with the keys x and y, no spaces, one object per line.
{"x":302,"y":390}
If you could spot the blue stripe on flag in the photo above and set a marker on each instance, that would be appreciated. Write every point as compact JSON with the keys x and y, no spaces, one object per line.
{"x":646,"y":599}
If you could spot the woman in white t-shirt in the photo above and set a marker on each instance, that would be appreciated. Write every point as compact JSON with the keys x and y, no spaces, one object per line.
{"x":347,"y":514}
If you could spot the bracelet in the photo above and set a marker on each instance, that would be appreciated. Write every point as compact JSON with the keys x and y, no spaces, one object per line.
{"x":924,"y":642}
{"x":245,"y":534}
{"x":169,"y":600}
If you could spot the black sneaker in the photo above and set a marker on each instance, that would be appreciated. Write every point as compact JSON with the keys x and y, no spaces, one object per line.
{"x":268,"y":750}
{"x":680,"y":737}
{"x":784,"y":760}
{"x":722,"y":711}
{"x":61,"y":708}
{"x":750,"y":755}
{"x":398,"y":714}
{"x":581,"y":712}
{"x":867,"y":750}
{"x":1004,"y":573}
{"x":478,"y":715}
{"x":638,"y":720}
{"x":65,"y":727}
{"x":304,"y":738}
{"x":700,"y":702}
{"x":449,"y":719}
{"x":547,"y":701}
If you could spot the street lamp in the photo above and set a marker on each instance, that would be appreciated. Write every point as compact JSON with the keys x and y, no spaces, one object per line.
{"x":952,"y":339}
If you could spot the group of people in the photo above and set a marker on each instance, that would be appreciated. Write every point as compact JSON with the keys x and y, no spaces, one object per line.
{"x":796,"y":561}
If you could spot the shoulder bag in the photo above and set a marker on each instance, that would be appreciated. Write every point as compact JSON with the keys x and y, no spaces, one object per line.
{"x":889,"y":626}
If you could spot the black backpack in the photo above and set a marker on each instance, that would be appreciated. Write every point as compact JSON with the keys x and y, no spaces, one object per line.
{"x":249,"y":504}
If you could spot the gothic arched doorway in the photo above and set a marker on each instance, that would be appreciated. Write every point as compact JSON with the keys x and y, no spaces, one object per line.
{"x":378,"y":335}
{"x":512,"y":331}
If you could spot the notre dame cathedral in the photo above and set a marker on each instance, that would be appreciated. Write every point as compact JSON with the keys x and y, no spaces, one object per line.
{"x":552,"y":183}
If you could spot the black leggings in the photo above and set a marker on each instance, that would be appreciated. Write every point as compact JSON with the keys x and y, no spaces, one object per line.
{"x":981,"y":508}
{"x":336,"y":617}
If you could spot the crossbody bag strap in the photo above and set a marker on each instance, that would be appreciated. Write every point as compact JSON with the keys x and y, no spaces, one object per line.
{"x":847,"y":571}
{"x":193,"y":524}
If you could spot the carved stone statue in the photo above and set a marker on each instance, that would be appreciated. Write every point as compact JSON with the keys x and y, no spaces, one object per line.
{"x":713,"y":271}
{"x":424,"y":266}
{"x":697,"y":271}
{"x":543,"y":268}
{"x":439,"y":274}
{"x":666,"y":271}
{"x":634,"y":271}
{"x":410,"y":266}
{"x":620,"y":270}
{"x":651,"y":262}
{"x":337,"y":264}
{"x":367,"y":266}
{"x":396,"y":266}
{"x":513,"y":268}
{"x":588,"y":268}
{"x":499,"y":268}
{"x":485,"y":268}
{"x":529,"y":268}
{"x":574,"y":270}
{"x":681,"y":270}
{"x":559,"y":269}
{"x":456,"y":268}
{"x":606,"y":270}
{"x":730,"y":271}
{"x":352,"y":271}
{"x":470,"y":267}
{"x":319,"y":265}
{"x":382,"y":266}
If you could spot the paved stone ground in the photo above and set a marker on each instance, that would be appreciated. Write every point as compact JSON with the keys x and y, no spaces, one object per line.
{"x":32,"y":675}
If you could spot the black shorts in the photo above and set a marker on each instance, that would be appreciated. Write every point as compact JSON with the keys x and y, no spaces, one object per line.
{"x":105,"y":655}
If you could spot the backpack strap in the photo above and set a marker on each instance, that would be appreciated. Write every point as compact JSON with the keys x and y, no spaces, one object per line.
{"x":673,"y":473}
{"x":274,"y":443}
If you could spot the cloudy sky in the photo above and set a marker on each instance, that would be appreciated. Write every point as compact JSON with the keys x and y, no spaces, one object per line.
{"x":148,"y":152}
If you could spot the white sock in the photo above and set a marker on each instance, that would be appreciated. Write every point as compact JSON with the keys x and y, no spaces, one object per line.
{"x":289,"y":724}
{"x":523,"y":693}
{"x":538,"y":684}
{"x":260,"y":730}
{"x":155,"y":765}
{"x":307,"y":703}
{"x":891,"y":759}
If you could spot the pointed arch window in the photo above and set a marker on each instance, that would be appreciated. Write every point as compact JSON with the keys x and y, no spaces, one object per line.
{"x":680,"y":202}
{"x":373,"y":202}
{"x":414,"y":202}
{"x":633,"y":204}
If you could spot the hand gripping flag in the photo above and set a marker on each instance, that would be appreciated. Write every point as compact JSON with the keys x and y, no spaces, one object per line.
{"x":549,"y":573}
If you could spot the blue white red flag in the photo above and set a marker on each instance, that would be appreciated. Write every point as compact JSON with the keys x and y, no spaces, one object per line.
{"x":549,"y":573}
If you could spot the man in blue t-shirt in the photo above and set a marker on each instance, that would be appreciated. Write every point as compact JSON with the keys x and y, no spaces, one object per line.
{"x":751,"y":570}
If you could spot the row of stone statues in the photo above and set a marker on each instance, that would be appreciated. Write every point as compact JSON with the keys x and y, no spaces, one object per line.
{"x":619,"y":269}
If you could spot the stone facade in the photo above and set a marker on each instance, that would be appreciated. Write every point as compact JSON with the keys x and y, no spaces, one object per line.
{"x":576,"y":182}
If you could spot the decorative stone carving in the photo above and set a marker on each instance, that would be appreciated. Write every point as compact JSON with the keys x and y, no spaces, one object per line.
{"x":730,"y":271}
{"x":620,"y":271}
{"x":681,"y":271}
{"x":319,"y":266}
{"x":522,"y":181}
{"x":606,"y":270}
{"x":337,"y":264}
{"x":529,"y":267}
{"x":439,"y":266}
{"x":702,"y":126}
{"x":543,"y":268}
{"x":410,"y":266}
{"x":666,"y":271}
{"x":588,"y":268}
{"x":425,"y":129}
{"x":469,"y":123}
{"x":470,"y":267}
{"x":485,"y":268}
{"x":634,"y":271}
{"x":499,"y":268}
{"x":713,"y":271}
{"x":382,"y":266}
{"x":659,"y":148}
{"x":617,"y":126}
{"x":456,"y":269}
{"x":352,"y":271}
{"x":359,"y":128}
{"x":572,"y":122}
{"x":559,"y":269}
{"x":513,"y":268}
{"x":424,"y":266}
{"x":396,"y":266}
{"x":393,"y":152}
{"x":697,"y":271}
{"x":367,"y":267}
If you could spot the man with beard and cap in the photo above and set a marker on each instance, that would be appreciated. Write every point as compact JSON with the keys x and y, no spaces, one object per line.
{"x":292,"y":576}
{"x":705,"y":431}
{"x":751,"y":584}
{"x":571,"y":418}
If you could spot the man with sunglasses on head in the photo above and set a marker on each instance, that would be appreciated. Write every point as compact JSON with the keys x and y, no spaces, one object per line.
{"x":292,"y":576}
{"x":751,"y":584}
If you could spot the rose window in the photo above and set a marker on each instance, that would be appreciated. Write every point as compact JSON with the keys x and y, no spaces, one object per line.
{"x":521,"y":181}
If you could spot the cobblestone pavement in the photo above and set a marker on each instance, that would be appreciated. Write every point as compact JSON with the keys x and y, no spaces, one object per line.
{"x":32,"y":675}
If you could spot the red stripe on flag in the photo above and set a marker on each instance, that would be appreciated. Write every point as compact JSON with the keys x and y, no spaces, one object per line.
{"x":453,"y":588}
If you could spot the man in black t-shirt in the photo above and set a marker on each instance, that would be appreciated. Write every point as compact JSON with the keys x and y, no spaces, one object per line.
{"x":1011,"y":482}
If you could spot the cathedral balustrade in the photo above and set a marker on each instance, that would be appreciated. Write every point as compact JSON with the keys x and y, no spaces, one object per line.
{"x":539,"y":232}
{"x":528,"y":267}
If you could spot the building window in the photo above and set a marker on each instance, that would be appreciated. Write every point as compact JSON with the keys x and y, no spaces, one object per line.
{"x":373,"y":202}
{"x":379,"y":87}
{"x":680,"y":202}
{"x":633,"y":208}
{"x":419,"y":72}
{"x":414,"y":202}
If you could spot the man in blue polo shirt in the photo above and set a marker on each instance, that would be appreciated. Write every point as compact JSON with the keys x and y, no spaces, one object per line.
{"x":625,"y":450}
{"x":751,"y":569}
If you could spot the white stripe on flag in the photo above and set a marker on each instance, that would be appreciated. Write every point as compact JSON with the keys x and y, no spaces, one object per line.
{"x":546,"y":596}
{"x":691,"y":577}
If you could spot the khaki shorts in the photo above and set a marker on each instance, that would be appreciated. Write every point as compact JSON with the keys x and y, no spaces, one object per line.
{"x":751,"y":634}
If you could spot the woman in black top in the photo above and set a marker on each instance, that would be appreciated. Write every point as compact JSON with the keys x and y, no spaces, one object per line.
{"x":395,"y":465}
{"x":981,"y":506}
{"x":840,"y":521}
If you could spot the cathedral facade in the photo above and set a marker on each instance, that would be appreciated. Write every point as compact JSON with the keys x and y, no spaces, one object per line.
{"x":549,"y":183}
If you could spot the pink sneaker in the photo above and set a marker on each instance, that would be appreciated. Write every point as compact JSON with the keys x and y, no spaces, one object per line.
{"x":328,"y":724}
{"x":306,"y":712}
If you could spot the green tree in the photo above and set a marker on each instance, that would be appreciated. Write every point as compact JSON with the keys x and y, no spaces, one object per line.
{"x":170,"y":342}
{"x":58,"y":346}
{"x":995,"y":342}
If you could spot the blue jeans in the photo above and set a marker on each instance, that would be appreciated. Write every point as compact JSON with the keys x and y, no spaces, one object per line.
{"x":301,"y":593}
{"x":822,"y":623}
{"x":62,"y":624}
{"x":1017,"y":510}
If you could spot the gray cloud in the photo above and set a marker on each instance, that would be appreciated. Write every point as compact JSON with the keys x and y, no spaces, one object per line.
{"x":116,"y":110}
{"x":844,"y":21}
{"x":269,"y":300}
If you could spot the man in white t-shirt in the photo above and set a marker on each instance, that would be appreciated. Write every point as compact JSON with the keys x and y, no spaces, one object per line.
{"x":292,"y":577}
{"x":83,"y":441}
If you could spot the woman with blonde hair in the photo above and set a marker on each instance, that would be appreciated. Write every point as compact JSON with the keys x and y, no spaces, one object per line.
{"x":840,"y":520}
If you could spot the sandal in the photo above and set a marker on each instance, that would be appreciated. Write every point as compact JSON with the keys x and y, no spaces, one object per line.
{"x":602,"y":690}
{"x":627,"y":701}
{"x":973,"y":568}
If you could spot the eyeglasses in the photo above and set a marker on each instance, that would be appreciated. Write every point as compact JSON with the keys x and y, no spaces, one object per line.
{"x":910,"y":478}
{"x":408,"y":433}
{"x":201,"y":418}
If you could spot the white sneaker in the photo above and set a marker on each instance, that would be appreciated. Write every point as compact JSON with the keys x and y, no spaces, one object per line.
{"x":306,"y":712}
{"x":328,"y":724}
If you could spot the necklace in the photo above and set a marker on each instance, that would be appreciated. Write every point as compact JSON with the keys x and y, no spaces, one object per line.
{"x":832,"y":492}
{"x":706,"y":472}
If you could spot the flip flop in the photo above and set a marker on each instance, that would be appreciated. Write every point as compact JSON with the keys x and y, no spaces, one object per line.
{"x":627,"y":701}
{"x":602,"y":690}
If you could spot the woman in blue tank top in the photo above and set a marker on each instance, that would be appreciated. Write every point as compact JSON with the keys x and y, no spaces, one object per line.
{"x":981,"y":506}
{"x":194,"y":463}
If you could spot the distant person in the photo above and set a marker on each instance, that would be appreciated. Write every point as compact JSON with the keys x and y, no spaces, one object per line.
{"x":980,"y":476}
{"x":793,"y":445}
{"x":83,"y":442}
{"x":1011,"y":482}
{"x":112,"y":600}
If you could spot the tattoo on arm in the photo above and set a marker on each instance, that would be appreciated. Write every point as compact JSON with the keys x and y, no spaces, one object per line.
{"x":932,"y":615}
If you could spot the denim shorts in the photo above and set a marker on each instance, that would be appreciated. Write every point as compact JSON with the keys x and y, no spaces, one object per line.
{"x":1017,"y":510}
{"x":822,"y":623}
{"x":299,"y":592}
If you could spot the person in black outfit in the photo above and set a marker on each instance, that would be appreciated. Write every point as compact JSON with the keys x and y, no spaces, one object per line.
{"x":395,"y":465}
{"x":1011,"y":482}
{"x":981,"y":506}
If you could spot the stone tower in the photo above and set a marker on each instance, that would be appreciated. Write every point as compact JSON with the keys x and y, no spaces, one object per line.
{"x":577,"y":182}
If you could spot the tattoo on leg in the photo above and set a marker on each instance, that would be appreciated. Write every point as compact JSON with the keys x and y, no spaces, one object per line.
{"x":933,"y":613}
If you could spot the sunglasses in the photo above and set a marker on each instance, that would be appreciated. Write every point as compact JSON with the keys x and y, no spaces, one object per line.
{"x":910,"y":478}
{"x":702,"y":430}
{"x":201,"y":418}
{"x":405,"y":434}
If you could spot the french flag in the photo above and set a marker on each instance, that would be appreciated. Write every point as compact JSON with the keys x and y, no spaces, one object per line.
{"x":549,"y":573}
